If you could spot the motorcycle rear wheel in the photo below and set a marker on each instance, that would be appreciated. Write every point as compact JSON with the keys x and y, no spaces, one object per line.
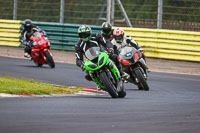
{"x":108,"y":85}
{"x":142,"y":82}
{"x":49,"y":58}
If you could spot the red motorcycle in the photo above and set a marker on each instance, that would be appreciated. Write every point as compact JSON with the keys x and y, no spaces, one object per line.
{"x":40,"y":52}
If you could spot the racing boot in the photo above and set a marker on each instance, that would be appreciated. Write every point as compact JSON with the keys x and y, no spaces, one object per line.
{"x":144,"y":57}
{"x":27,"y":53}
{"x":87,"y":77}
{"x":124,"y":75}
{"x":148,"y":70}
{"x":96,"y":80}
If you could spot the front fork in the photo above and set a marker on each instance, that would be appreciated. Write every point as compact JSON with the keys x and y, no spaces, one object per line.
{"x":95,"y":79}
{"x":42,"y":53}
{"x":141,"y":69}
{"x":112,"y":67}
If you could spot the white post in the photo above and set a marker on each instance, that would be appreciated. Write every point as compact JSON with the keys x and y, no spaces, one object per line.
{"x":160,"y":13}
{"x":108,"y":11}
{"x":15,"y":10}
{"x":128,"y":22}
{"x":62,"y":5}
{"x":113,"y":12}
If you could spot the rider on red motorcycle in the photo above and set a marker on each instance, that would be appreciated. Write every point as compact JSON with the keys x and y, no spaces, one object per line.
{"x":27,"y":32}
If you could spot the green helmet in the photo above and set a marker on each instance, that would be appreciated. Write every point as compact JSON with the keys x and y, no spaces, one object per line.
{"x":84,"y":32}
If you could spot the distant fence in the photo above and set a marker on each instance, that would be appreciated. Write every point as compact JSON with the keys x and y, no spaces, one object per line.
{"x":167,"y":44}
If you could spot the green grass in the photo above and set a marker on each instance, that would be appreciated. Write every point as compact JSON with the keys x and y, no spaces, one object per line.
{"x":18,"y":86}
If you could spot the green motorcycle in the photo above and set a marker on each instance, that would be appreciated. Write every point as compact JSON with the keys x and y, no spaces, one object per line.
{"x":104,"y":72}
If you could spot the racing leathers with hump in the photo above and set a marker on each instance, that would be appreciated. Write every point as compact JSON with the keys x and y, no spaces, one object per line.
{"x":88,"y":40}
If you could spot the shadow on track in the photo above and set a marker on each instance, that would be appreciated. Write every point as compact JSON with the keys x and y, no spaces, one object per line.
{"x":33,"y":66}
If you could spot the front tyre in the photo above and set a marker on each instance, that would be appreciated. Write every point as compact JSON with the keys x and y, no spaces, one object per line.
{"x":108,"y":85}
{"x":142,"y":82}
{"x":49,"y":59}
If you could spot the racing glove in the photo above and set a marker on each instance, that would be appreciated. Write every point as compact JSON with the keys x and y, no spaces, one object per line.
{"x":128,"y":41}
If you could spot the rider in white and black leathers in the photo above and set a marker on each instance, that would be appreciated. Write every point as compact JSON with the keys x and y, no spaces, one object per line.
{"x":120,"y":40}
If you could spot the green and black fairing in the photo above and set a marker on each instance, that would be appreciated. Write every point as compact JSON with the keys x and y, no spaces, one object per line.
{"x":96,"y":61}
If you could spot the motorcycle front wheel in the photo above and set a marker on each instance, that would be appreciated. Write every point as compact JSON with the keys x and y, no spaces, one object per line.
{"x":49,"y":59}
{"x":111,"y":89}
{"x":142,"y":82}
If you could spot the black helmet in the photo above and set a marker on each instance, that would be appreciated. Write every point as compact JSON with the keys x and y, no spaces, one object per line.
{"x":28,"y":24}
{"x":106,"y":29}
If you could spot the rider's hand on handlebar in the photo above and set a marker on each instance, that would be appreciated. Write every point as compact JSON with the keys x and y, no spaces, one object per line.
{"x":141,"y":50}
{"x":128,"y":41}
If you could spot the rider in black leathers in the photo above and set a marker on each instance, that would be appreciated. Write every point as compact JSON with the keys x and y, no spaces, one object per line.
{"x":27,"y":32}
{"x":88,"y":40}
{"x":107,"y":31}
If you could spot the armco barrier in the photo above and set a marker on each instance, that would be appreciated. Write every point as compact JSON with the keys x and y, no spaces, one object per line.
{"x":9,"y":32}
{"x":158,"y":43}
{"x":168,"y":44}
{"x":63,"y":36}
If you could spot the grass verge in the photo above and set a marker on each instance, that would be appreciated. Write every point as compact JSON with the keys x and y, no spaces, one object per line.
{"x":19,"y":86}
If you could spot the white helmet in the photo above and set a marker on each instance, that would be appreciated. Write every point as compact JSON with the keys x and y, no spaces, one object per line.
{"x":118,"y":35}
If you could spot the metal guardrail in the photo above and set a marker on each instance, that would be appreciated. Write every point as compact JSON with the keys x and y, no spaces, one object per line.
{"x":63,"y":36}
{"x":9,"y":32}
{"x":157,"y":43}
{"x":167,"y":44}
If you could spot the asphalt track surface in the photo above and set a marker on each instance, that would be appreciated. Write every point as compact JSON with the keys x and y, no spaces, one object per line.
{"x":171,"y":106}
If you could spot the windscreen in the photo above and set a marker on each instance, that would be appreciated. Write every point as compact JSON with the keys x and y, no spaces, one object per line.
{"x":127,"y":53}
{"x":92,"y":53}
{"x":37,"y":35}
